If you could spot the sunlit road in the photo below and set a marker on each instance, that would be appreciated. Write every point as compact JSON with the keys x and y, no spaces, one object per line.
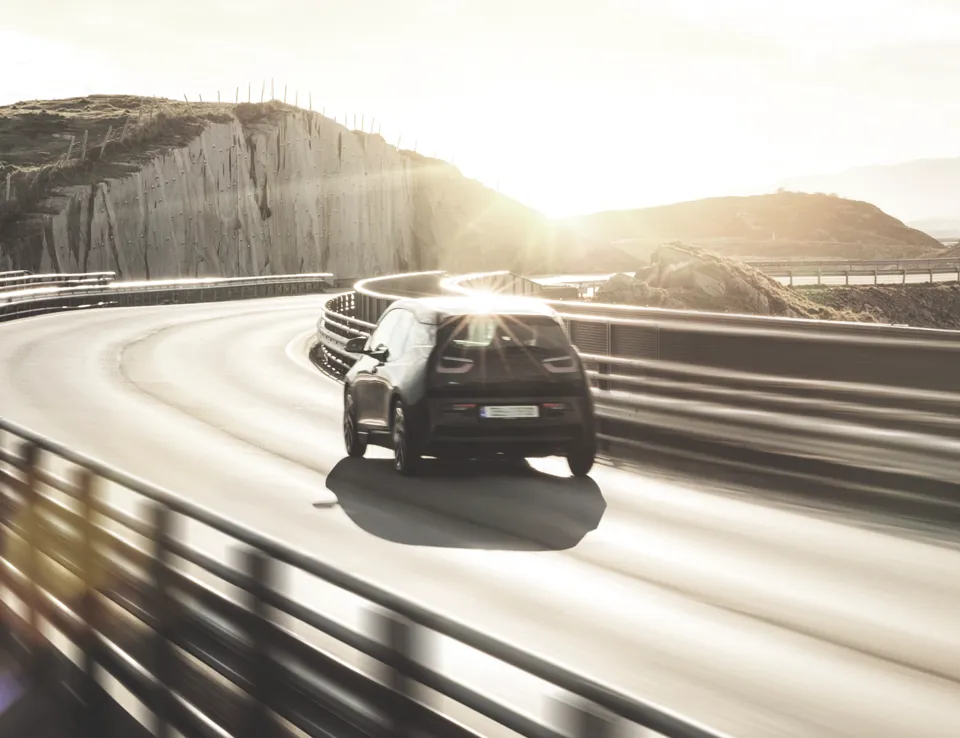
{"x":760,"y":620}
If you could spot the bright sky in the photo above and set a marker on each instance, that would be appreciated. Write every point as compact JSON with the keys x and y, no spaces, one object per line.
{"x":571,"y":106}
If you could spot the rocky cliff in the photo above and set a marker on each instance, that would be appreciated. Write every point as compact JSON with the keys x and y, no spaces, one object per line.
{"x":242,"y":190}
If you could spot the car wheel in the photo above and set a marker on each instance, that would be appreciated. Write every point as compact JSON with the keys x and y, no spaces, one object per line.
{"x":355,"y":443}
{"x":406,"y":460}
{"x":580,"y":459}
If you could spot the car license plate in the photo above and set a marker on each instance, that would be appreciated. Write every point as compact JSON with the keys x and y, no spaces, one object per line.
{"x":510,"y":411}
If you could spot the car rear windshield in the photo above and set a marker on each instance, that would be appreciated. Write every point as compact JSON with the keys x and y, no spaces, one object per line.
{"x":501,"y":332}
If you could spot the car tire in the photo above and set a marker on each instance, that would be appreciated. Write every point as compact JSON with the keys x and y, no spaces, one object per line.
{"x":406,"y":458}
{"x":353,"y":440}
{"x":580,"y":458}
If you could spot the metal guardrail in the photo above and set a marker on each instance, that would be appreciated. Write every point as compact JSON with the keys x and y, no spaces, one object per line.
{"x":163,"y":292}
{"x":17,"y":279}
{"x":813,"y":266}
{"x":206,"y":663}
{"x":814,"y":273}
{"x":882,"y":432}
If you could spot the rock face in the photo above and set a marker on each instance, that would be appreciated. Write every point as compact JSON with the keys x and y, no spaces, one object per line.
{"x":269,"y":190}
{"x":686,"y":277}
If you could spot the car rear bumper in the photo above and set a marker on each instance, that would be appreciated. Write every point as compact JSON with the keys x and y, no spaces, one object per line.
{"x":455,"y":426}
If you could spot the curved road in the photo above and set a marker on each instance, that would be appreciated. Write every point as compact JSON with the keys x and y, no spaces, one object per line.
{"x":760,"y":619}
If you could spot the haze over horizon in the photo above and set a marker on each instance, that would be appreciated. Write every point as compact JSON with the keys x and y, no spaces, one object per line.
{"x":571,"y":109}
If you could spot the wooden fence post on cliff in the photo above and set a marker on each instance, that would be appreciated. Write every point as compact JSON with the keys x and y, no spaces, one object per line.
{"x":263,"y":89}
{"x":284,"y":94}
{"x":249,"y":85}
{"x":70,"y":148}
{"x":106,"y":140}
{"x":8,"y":185}
{"x":83,"y":151}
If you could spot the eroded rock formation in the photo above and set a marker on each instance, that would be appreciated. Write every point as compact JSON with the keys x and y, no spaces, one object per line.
{"x":270,"y":189}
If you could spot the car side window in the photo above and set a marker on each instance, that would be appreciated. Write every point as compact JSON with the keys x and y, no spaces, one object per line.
{"x":381,"y":334}
{"x":423,"y":335}
{"x":400,"y":334}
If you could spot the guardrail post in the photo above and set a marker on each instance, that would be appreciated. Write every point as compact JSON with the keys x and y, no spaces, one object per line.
{"x":819,"y":276}
{"x":162,"y":649}
{"x":931,"y":275}
{"x":38,"y":648}
{"x":402,"y":639}
{"x":604,"y":368}
{"x":92,"y":695}
{"x":903,"y":273}
{"x":876,"y":278}
{"x":260,"y":571}
{"x":578,"y":718}
{"x":846,"y":276}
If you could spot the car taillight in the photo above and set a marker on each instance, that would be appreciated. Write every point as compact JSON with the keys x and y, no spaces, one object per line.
{"x":454,"y":365}
{"x":560,"y":365}
{"x":460,"y":408}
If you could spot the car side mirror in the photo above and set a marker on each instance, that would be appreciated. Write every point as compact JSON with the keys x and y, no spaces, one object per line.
{"x":380,"y":353}
{"x":356,"y":345}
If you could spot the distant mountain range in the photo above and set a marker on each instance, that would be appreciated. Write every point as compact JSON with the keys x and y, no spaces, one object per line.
{"x":925,"y":193}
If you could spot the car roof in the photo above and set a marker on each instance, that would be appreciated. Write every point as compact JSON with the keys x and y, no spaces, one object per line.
{"x":438,"y":309}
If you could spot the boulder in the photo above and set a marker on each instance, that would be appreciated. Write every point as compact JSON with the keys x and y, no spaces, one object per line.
{"x":708,"y":285}
{"x":649,"y":274}
{"x":669,"y":254}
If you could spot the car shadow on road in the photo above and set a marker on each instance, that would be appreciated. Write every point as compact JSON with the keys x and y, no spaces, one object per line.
{"x":478,"y":505}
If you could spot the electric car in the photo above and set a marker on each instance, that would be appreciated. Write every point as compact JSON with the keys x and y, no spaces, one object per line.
{"x":465,"y":377}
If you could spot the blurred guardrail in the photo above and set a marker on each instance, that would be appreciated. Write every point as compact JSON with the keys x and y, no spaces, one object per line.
{"x":881,"y":401}
{"x":214,"y":648}
{"x":27,"y":302}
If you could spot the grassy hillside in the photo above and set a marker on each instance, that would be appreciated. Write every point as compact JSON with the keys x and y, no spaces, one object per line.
{"x":781,"y":225}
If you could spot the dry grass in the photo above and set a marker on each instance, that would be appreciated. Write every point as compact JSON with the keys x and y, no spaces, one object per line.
{"x":935,"y":305}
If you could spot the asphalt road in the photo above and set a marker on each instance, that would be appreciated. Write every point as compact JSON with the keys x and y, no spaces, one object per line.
{"x":757,"y":618}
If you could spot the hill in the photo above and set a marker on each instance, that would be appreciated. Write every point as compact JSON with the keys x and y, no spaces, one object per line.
{"x":914,"y":191}
{"x":781,"y":225}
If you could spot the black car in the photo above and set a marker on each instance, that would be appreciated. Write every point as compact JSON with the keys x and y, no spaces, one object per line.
{"x":464,"y":377}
